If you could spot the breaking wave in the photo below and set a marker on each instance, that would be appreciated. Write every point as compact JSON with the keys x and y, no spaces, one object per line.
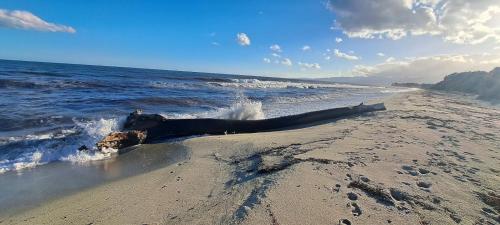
{"x":241,"y":109}
{"x":263,"y":84}
{"x":33,"y":150}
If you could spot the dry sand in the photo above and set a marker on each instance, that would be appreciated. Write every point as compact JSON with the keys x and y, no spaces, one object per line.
{"x":428,"y":159}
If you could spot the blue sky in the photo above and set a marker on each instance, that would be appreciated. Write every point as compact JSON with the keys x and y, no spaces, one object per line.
{"x":202,"y":36}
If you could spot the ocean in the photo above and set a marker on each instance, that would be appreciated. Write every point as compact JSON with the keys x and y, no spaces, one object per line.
{"x":49,"y":110}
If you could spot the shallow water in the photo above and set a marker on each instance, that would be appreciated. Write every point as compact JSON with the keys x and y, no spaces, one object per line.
{"x":32,"y":187}
{"x":47,"y":110}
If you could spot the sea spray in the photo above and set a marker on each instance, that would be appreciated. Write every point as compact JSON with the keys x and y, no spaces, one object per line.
{"x":243,"y":110}
{"x":51,"y":147}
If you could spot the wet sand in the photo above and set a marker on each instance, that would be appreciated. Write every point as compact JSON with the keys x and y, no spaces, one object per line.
{"x":34,"y":187}
{"x":429,"y":159}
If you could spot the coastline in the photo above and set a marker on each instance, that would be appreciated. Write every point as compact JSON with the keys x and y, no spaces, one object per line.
{"x":406,"y":165}
{"x":29,"y":188}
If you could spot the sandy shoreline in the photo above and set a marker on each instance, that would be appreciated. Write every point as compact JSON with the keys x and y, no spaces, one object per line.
{"x":428,"y":159}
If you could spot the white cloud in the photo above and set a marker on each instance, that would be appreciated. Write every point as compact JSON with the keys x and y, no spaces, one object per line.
{"x":343,"y":55}
{"x":215,"y":43}
{"x":276,"y":55}
{"x":286,"y":62}
{"x":457,"y":21}
{"x":243,"y":39}
{"x":18,"y":19}
{"x":306,"y":48}
{"x":309,"y":65}
{"x":266,"y":60}
{"x":275,"y":48}
{"x":390,"y":59}
{"x":429,"y":69}
{"x":327,"y":57}
{"x":381,"y":54}
{"x":338,"y":40}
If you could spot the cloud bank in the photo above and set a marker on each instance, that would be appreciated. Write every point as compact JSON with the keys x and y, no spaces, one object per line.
{"x":18,"y":19}
{"x":275,"y":48}
{"x":424,"y":69}
{"x":456,"y":21}
{"x":309,"y":65}
{"x":343,"y":55}
{"x":286,"y":62}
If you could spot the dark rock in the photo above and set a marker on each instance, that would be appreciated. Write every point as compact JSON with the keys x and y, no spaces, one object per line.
{"x":83,"y":148}
{"x":119,"y":140}
{"x":352,"y":196}
{"x":423,"y":184}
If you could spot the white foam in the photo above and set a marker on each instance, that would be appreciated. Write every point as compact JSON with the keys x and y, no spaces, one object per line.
{"x":241,"y":109}
{"x":35,"y":160}
{"x":52,"y":149}
{"x":173,"y":85}
{"x":99,"y":128}
{"x":85,"y":156}
{"x":43,"y":136}
{"x":263,"y":84}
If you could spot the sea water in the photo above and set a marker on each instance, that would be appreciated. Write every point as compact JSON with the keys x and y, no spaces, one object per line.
{"x":48,"y":110}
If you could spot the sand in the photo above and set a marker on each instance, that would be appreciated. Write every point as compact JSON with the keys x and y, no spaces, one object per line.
{"x":429,"y":159}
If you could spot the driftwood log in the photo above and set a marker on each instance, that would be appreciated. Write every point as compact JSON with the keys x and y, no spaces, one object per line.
{"x":142,"y":128}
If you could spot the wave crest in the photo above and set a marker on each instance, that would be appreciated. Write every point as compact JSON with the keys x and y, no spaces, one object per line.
{"x":265,"y":84}
{"x":48,"y":147}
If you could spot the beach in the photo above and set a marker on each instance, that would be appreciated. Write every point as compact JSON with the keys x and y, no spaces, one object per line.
{"x":430,"y":158}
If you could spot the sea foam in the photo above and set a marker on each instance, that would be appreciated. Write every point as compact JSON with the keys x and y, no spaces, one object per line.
{"x":241,"y":109}
{"x":62,"y":145}
{"x":265,"y":84}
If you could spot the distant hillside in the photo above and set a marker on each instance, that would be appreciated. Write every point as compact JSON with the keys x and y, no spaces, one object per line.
{"x":413,"y":85}
{"x":484,"y":84}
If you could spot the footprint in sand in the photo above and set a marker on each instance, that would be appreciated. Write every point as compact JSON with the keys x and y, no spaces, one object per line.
{"x":356,"y":210}
{"x":344,"y":222}
{"x":352,"y":196}
{"x":424,"y":185}
{"x":423,"y":171}
{"x":410,"y":170}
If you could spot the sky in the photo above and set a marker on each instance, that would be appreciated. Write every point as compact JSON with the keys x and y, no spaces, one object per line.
{"x":391,"y":40}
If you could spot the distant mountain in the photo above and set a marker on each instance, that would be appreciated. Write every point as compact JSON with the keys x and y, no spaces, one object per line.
{"x":484,"y":84}
{"x":412,"y":85}
{"x":370,"y":80}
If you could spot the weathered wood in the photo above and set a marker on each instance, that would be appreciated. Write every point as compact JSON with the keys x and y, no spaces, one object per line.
{"x":158,"y":127}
